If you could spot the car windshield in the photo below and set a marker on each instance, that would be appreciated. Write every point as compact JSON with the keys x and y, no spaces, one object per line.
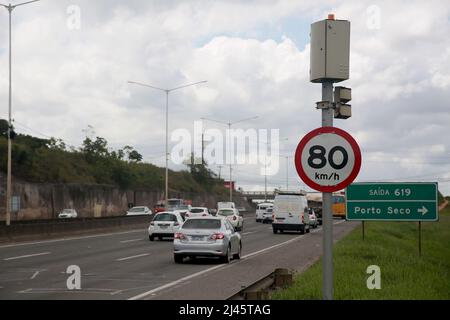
{"x":262,"y":207}
{"x":202,"y":224}
{"x":226,"y":212}
{"x":137,"y":209}
{"x":269,"y":209}
{"x":67,"y":211}
{"x":197,"y":210}
{"x":165,"y":217}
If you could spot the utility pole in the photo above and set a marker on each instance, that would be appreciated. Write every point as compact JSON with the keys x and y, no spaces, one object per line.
{"x":10,"y":8}
{"x":327,"y":215}
{"x":220,"y":169}
{"x":287,"y":173}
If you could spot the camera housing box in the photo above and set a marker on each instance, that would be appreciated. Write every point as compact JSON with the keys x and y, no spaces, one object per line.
{"x":330,"y":51}
{"x":342,"y":111}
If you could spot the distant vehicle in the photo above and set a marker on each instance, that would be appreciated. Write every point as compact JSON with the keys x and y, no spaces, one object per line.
{"x":164,"y":224}
{"x":182,"y":209}
{"x":159,"y":207}
{"x":233,"y":216}
{"x":267,"y":215}
{"x":138,"y":211}
{"x":68,"y":213}
{"x":315,"y":203}
{"x":260,"y":208}
{"x":313,"y":220}
{"x":225,"y":205}
{"x":290,"y":212}
{"x":207,"y":236}
{"x":174,"y":204}
{"x":197,"y":212}
{"x":338,"y":206}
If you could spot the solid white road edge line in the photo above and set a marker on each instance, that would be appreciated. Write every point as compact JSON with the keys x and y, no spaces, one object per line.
{"x":174,"y":283}
{"x":27,"y":256}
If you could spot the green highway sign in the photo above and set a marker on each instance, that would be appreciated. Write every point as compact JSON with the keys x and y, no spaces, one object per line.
{"x":396,"y":201}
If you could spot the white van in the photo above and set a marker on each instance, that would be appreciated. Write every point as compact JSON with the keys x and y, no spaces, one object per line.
{"x":225,"y":205}
{"x":260,"y":209}
{"x":290,"y":212}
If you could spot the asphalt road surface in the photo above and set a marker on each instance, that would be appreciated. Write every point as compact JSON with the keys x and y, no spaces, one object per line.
{"x":126,"y":265}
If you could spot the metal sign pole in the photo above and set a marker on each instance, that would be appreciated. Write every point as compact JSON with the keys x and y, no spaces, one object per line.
{"x":363,"y":230}
{"x":327,"y":216}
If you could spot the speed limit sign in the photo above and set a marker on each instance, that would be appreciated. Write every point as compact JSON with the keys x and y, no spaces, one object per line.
{"x":328,"y":159}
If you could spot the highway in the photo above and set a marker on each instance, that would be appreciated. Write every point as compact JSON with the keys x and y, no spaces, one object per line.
{"x":126,"y":265}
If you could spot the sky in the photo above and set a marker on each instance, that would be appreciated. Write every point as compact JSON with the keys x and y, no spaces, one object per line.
{"x":72,"y":61}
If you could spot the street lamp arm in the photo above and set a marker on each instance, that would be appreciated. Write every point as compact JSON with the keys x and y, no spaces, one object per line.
{"x":147,"y":85}
{"x":246,"y":119}
{"x":21,"y":4}
{"x":3,"y":5}
{"x":222,"y":122}
{"x":187,"y":85}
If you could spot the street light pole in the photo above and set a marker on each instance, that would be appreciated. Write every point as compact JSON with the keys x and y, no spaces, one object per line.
{"x":167,"y":91}
{"x":229,"y":123}
{"x":10,"y":8}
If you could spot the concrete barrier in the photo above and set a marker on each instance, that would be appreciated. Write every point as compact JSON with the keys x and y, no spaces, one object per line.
{"x":48,"y":229}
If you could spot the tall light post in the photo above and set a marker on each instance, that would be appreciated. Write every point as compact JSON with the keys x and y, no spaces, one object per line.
{"x":265,"y":167}
{"x":167,"y":91}
{"x":10,"y":8}
{"x":229,"y":124}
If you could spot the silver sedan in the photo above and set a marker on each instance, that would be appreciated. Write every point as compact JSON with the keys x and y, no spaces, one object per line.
{"x":207,"y":236}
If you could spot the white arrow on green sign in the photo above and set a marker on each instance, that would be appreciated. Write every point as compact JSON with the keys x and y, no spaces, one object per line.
{"x":396,"y":201}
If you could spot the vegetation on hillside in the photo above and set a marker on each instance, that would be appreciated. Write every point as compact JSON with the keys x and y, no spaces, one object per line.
{"x":51,"y":160}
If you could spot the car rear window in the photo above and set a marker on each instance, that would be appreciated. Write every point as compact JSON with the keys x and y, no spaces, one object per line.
{"x":196,"y":210}
{"x":202,"y":224}
{"x":137,"y":209}
{"x":225,"y":212}
{"x":165,"y":217}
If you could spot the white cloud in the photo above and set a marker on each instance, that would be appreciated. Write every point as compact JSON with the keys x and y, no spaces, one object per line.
{"x":66,"y":79}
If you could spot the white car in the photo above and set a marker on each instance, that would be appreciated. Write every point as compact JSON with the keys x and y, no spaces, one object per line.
{"x":232,"y":215}
{"x":68,"y":213}
{"x":260,"y":209}
{"x":182,"y":210}
{"x":137,"y":211}
{"x":164,"y":224}
{"x":313,"y":221}
{"x":197,"y":212}
{"x":267,"y":215}
{"x":290,"y":213}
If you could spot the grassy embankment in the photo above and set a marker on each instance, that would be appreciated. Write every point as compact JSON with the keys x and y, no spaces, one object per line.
{"x":393,"y":246}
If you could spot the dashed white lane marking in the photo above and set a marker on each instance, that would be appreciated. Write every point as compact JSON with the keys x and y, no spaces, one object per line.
{"x":133,"y":257}
{"x":248,"y":232}
{"x":131,"y":240}
{"x":35,"y":275}
{"x":27,"y":256}
{"x":68,"y":239}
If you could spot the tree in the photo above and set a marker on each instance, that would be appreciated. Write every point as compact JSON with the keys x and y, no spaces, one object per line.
{"x":135,"y":156}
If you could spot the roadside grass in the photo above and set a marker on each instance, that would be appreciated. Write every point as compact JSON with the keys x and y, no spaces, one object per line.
{"x":393,"y":246}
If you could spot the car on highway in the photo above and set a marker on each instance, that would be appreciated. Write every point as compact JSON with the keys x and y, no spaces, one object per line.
{"x":197,"y":212}
{"x":313,"y":220}
{"x":260,"y":208}
{"x":138,"y":211}
{"x":226,"y":204}
{"x":182,"y":209}
{"x":267,"y":215}
{"x":164,"y":224}
{"x":68,"y":213}
{"x":207,"y":237}
{"x":290,"y":212}
{"x":233,"y":216}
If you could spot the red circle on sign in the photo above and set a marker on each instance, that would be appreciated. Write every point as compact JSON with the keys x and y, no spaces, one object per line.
{"x":356,"y":151}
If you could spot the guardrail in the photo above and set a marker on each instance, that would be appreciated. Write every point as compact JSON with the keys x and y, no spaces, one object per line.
{"x":260,"y":289}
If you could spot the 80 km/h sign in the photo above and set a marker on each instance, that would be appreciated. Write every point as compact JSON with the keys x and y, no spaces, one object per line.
{"x":328,"y":159}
